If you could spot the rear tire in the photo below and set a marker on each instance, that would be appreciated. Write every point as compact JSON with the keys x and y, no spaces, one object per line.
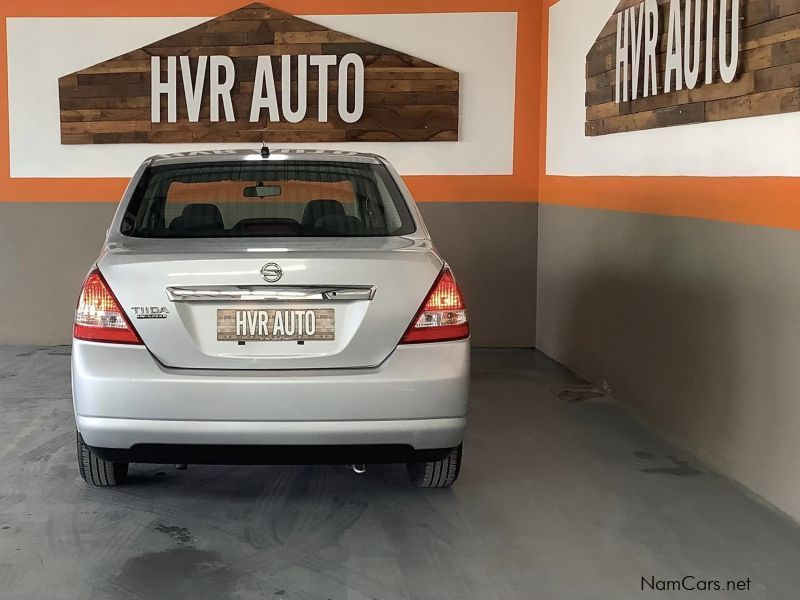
{"x":437,"y":473}
{"x":97,"y":471}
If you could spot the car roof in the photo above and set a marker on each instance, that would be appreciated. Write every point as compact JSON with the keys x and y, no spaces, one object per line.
{"x":226,"y":155}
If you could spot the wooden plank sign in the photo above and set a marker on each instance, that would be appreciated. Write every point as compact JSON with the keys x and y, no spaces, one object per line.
{"x":659,"y":63}
{"x":258,"y":74}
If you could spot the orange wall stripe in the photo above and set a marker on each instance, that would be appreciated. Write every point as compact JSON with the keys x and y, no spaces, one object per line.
{"x":213,"y":8}
{"x":766,"y":201}
{"x":521,"y":186}
{"x":426,"y":188}
{"x":763,"y":201}
{"x":527,"y":120}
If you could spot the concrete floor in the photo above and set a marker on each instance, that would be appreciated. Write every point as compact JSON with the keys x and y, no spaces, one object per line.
{"x":562,"y":496}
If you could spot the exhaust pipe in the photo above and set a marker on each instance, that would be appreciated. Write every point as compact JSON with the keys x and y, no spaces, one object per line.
{"x":358,"y":469}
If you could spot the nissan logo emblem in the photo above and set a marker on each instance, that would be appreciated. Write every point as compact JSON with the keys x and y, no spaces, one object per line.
{"x":271,"y":272}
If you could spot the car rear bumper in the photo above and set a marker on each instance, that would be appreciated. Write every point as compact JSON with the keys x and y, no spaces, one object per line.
{"x":259,"y":454}
{"x":125,"y":399}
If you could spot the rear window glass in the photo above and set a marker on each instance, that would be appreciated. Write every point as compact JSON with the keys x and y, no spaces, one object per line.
{"x":267,"y":199}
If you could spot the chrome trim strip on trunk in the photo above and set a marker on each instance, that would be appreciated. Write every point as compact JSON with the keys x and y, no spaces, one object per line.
{"x":260,"y":293}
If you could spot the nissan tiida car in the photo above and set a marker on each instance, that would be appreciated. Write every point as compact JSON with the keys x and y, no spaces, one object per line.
{"x":251,"y":307}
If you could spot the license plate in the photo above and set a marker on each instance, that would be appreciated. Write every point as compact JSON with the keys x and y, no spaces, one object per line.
{"x":275,"y":325}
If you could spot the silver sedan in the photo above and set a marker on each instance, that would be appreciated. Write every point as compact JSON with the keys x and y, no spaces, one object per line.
{"x":257,"y":307}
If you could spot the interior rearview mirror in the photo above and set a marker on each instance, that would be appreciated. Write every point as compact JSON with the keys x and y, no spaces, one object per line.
{"x":262,"y":191}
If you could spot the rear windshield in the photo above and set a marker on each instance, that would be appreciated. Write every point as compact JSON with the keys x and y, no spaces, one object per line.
{"x":267,"y":199}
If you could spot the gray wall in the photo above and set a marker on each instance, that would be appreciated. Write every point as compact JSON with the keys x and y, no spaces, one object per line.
{"x":46,"y":249}
{"x":694,"y":323}
{"x":492,"y":249}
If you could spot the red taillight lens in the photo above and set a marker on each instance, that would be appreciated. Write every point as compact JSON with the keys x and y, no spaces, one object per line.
{"x":99,"y":317}
{"x":443,"y":315}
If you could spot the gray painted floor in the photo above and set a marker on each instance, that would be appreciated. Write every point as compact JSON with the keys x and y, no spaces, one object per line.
{"x":562,"y":496}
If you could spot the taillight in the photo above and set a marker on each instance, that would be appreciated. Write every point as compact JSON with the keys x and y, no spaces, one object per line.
{"x":443,"y":316}
{"x":99,"y":317}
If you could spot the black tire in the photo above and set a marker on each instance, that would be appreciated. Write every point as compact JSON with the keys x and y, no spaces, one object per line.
{"x":438,"y":473}
{"x":97,"y":471}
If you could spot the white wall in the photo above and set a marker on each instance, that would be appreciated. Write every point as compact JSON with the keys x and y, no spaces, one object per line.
{"x":742,"y":147}
{"x":40,"y":50}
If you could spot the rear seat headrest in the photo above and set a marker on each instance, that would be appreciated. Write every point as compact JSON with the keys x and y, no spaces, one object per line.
{"x":323,"y":207}
{"x":199,"y":215}
{"x":340,"y":225}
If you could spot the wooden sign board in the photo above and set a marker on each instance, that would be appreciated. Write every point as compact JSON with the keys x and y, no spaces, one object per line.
{"x":692,"y":83}
{"x":259,"y":74}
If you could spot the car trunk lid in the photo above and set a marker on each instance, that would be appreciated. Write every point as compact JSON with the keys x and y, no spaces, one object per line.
{"x":184,"y":297}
